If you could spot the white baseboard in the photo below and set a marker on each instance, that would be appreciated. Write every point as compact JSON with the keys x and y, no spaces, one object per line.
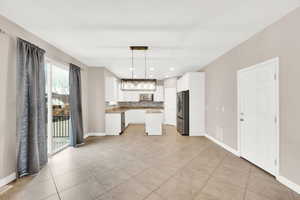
{"x":94,"y":134}
{"x":112,"y":133}
{"x":225,"y":146}
{"x":293,"y":186}
{"x":6,"y":180}
{"x":196,"y":133}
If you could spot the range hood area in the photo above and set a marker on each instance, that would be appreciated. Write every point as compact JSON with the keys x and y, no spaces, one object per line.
{"x":138,"y":84}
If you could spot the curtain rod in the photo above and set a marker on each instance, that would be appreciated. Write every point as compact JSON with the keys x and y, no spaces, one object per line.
{"x":3,"y":32}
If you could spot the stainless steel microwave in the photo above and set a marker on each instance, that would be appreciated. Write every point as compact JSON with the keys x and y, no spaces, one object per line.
{"x":146,"y":97}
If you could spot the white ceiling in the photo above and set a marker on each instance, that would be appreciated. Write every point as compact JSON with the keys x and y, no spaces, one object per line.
{"x":182,"y":34}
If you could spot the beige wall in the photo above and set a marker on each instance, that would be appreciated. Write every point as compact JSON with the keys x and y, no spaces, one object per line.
{"x":84,"y":88}
{"x":282,"y":40}
{"x":7,"y":106}
{"x":8,"y":88}
{"x":96,"y":99}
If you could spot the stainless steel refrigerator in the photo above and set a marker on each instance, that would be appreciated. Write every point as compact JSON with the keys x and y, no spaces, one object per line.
{"x":183,"y":112}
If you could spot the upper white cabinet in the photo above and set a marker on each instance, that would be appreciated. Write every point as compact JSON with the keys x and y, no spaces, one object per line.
{"x":183,"y":83}
{"x":170,"y":106}
{"x":120,"y":93}
{"x":131,"y":96}
{"x":134,"y":96}
{"x":128,"y":96}
{"x":111,"y":88}
{"x":159,"y":93}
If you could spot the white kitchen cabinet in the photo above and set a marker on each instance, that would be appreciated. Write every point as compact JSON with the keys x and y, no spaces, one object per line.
{"x":170,"y":106}
{"x":135,"y":116}
{"x":111,"y":89}
{"x":153,"y":123}
{"x":159,"y":93}
{"x":113,"y":123}
{"x":129,"y":96}
{"x":183,"y":83}
{"x":120,"y":93}
{"x":133,"y":96}
{"x":179,"y":83}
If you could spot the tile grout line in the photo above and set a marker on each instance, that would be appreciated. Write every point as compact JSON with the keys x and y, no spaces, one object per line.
{"x":175,"y":173}
{"x":248,"y":179}
{"x":177,"y":163}
{"x":132,"y":176}
{"x":52,"y":177}
{"x":211,"y":175}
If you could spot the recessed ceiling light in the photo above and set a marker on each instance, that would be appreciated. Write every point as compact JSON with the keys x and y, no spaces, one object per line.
{"x":151,"y":76}
{"x":171,"y":68}
{"x":151,"y":68}
{"x":135,"y":76}
{"x":167,"y":76}
{"x":131,"y":69}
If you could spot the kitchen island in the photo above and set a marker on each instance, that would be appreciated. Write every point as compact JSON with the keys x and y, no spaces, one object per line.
{"x":154,"y":121}
{"x":115,"y":123}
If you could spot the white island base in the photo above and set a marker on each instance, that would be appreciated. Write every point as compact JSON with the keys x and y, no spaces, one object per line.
{"x":153,"y":123}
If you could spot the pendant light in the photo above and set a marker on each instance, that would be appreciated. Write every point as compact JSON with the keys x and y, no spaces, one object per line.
{"x":139,"y":84}
{"x":132,"y":69}
{"x":145,"y":54}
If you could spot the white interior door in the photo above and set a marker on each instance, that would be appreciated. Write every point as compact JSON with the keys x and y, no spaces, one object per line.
{"x":258,"y":102}
{"x":170,"y":106}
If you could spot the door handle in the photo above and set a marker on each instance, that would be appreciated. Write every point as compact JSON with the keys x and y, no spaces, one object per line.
{"x":242,"y":120}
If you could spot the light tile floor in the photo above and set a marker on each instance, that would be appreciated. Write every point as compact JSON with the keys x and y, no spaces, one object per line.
{"x":139,"y":167}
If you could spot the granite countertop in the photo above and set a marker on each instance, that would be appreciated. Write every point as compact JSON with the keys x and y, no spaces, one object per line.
{"x":115,"y":110}
{"x":124,"y":109}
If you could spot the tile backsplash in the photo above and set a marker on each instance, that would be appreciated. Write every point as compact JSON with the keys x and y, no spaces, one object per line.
{"x":150,"y":104}
{"x":142,"y":104}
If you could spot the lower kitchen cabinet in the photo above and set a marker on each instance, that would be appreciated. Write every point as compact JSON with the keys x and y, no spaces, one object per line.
{"x":135,"y":116}
{"x":154,"y":123}
{"x":113,"y":123}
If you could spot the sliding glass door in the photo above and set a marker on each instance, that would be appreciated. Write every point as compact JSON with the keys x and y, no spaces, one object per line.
{"x":58,"y":106}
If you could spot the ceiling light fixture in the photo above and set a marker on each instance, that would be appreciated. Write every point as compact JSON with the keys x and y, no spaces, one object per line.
{"x":139,"y":48}
{"x":132,"y":63}
{"x":171,"y":68}
{"x":145,"y":54}
{"x":151,"y":68}
{"x":135,"y":83}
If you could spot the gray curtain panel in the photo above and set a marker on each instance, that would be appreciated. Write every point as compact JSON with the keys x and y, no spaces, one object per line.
{"x":76,"y":106}
{"x":31,"y":109}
